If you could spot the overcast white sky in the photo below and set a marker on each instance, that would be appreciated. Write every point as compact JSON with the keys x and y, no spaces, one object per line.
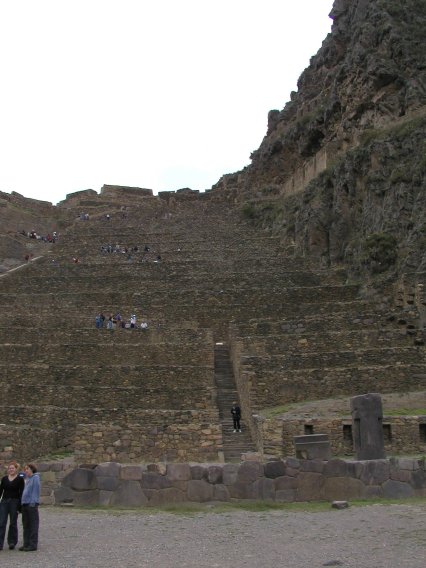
{"x":160,"y":94}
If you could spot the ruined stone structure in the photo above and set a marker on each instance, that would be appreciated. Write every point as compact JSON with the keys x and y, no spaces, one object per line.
{"x":299,"y":278}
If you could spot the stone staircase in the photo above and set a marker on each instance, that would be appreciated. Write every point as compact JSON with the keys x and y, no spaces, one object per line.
{"x":234,"y":444}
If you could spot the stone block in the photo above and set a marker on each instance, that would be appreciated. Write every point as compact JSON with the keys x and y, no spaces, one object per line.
{"x":316,"y":466}
{"x":160,"y":468}
{"x":108,"y":483}
{"x":220,"y":493}
{"x":292,"y":463}
{"x":264,"y":489}
{"x":314,"y":446}
{"x":285,"y":495}
{"x":400,"y":474}
{"x":198,"y":472}
{"x":367,"y":416}
{"x":165,"y":496}
{"x":396,"y":490}
{"x":274,"y":469}
{"x":178,"y":471}
{"x":418,"y":479}
{"x":86,"y":497}
{"x":250,"y":471}
{"x":242,"y":490}
{"x":80,"y":479}
{"x":340,"y":505}
{"x":200,"y":491}
{"x":63,"y":494}
{"x":131,"y":472}
{"x":151,"y":480}
{"x":285,"y":482}
{"x":229,"y":473}
{"x":108,"y":469}
{"x":129,"y":494}
{"x":105,"y":498}
{"x":375,"y":472}
{"x":48,"y":477}
{"x":335,"y":468}
{"x":373,"y":492}
{"x":342,"y":488}
{"x":310,"y":486}
{"x":408,"y":464}
{"x":214,"y":474}
{"x":182,"y":485}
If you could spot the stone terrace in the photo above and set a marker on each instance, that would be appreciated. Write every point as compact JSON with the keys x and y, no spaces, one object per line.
{"x":294,"y":332}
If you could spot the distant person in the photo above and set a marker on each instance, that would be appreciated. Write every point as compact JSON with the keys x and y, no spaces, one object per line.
{"x":11,"y":488}
{"x":236,"y":416}
{"x":133,"y":321}
{"x":98,"y":321}
{"x":30,"y":501}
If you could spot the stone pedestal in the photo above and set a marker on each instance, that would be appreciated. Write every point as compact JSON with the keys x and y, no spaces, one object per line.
{"x":367,"y":428}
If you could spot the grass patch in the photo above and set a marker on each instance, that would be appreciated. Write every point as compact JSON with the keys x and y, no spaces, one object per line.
{"x":406,"y":412}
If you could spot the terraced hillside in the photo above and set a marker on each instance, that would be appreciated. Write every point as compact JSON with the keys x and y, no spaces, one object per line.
{"x":231,"y":314}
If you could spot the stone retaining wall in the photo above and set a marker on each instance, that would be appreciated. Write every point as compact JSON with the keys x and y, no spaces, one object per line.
{"x":112,"y":484}
{"x":165,"y":435}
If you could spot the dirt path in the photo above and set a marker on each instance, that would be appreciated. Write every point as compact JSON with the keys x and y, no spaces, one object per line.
{"x":375,"y":536}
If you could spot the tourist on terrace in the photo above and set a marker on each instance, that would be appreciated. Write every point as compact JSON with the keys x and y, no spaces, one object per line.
{"x":11,"y":488}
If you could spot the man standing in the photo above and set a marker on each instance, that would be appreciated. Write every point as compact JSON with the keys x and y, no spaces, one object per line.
{"x":30,"y":502}
{"x":236,"y":416}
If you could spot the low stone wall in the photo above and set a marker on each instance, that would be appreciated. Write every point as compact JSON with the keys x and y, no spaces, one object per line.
{"x":112,"y":484}
{"x":402,"y":434}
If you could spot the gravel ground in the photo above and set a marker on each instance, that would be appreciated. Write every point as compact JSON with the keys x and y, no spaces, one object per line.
{"x":374,"y":536}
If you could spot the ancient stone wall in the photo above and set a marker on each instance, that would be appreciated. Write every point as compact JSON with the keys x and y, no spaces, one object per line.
{"x":289,"y":480}
{"x":402,"y":434}
{"x":158,"y":435}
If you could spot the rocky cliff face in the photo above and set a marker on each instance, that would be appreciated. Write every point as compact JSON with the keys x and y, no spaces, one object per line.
{"x":362,"y":103}
{"x":370,"y":70}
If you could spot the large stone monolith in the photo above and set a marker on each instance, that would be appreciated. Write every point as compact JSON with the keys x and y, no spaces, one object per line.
{"x":367,"y":428}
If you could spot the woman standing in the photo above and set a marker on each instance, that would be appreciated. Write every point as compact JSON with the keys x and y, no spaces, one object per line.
{"x":30,"y":502}
{"x":11,"y":489}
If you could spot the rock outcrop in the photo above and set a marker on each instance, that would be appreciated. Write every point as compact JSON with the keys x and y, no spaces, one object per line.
{"x":341,"y":172}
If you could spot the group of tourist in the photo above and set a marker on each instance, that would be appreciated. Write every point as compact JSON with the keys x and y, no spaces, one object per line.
{"x":117,"y":321}
{"x":20,"y":493}
{"x":49,"y":238}
{"x":147,"y":253}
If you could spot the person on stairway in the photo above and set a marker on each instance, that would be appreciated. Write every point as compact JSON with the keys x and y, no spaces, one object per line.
{"x":236,"y":416}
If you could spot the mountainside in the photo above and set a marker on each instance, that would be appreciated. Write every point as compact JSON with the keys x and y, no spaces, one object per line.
{"x":341,"y":173}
